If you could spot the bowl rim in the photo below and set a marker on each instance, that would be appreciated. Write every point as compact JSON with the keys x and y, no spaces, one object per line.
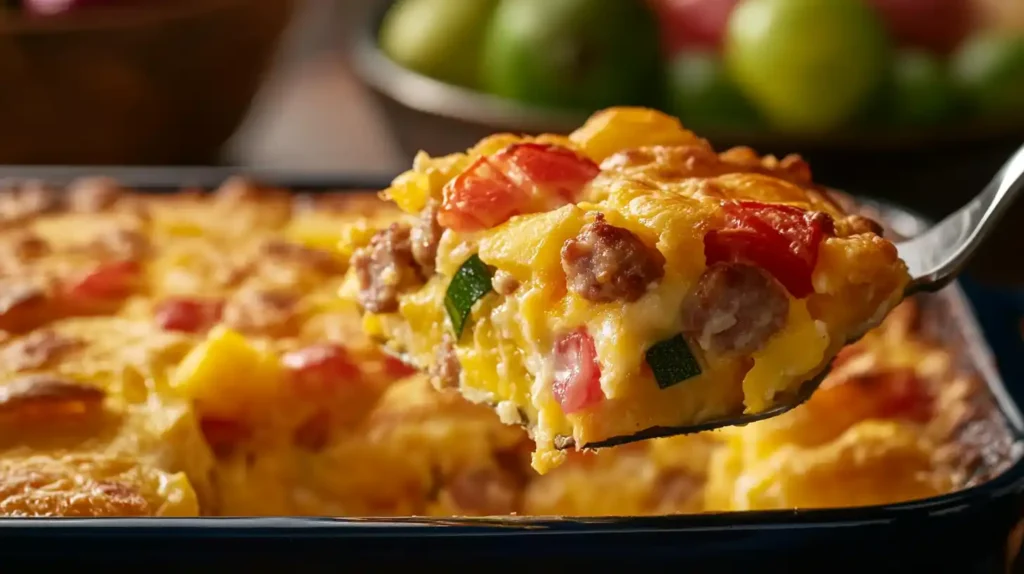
{"x":116,"y":17}
{"x":427,"y":95}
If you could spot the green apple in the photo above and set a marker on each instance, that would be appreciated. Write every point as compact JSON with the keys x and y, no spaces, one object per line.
{"x":438,"y":38}
{"x":921,"y":91}
{"x":989,"y":70}
{"x":807,"y":65}
{"x":702,"y":95}
{"x":580,"y":54}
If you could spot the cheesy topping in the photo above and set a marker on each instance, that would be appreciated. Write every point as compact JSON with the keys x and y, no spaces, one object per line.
{"x":186,"y":354}
{"x":628,"y":234}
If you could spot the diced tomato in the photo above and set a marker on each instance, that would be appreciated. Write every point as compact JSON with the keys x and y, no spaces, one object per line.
{"x":480,"y":197}
{"x":521,"y":178}
{"x":549,"y":171}
{"x":223,"y":435}
{"x":781,"y":239}
{"x":106,"y":282}
{"x":397,"y":368}
{"x":320,"y":369}
{"x":188,"y":315}
{"x":577,"y":375}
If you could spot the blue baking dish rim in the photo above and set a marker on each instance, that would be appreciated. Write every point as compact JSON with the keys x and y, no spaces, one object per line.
{"x":1000,"y":310}
{"x":1007,"y":487}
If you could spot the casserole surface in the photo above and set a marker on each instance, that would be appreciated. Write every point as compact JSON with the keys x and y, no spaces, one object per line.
{"x":187,"y":381}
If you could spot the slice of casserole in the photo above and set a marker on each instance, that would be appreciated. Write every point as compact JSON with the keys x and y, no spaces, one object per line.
{"x":622,"y":278}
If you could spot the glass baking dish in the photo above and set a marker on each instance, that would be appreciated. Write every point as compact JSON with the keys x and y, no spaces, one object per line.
{"x":977,"y":529}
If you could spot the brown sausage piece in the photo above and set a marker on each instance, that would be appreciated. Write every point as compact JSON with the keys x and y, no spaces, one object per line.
{"x":446,"y":370}
{"x":734,"y":308}
{"x":385,"y":268}
{"x":607,"y":263}
{"x":425,"y":236}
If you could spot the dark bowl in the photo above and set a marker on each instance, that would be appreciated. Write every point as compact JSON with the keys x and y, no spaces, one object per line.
{"x":163,"y":83}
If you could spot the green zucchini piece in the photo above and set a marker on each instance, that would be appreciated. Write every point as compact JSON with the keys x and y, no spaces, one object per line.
{"x":471,"y":282}
{"x":672,"y":362}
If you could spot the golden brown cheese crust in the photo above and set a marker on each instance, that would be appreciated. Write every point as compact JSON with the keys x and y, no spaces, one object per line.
{"x":105,"y":412}
{"x":89,"y":486}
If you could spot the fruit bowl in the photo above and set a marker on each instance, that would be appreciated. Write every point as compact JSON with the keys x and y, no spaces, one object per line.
{"x":427,"y":114}
{"x":159,"y":83}
{"x":934,"y":171}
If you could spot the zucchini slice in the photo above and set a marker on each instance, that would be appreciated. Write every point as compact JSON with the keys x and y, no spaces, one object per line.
{"x":672,"y":362}
{"x":471,"y":282}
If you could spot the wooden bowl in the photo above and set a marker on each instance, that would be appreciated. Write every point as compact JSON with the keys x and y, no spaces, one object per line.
{"x":165,"y":83}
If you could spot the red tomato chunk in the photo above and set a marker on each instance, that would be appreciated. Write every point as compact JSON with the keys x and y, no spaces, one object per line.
{"x":577,"y":382}
{"x":396,"y":368}
{"x":547,"y":171}
{"x":781,"y":239}
{"x":319,"y":369}
{"x":521,"y":178}
{"x":188,"y":315}
{"x":107,"y":281}
{"x":480,"y":197}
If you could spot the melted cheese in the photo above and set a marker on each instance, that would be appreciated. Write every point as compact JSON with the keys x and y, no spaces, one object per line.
{"x":797,"y":350}
{"x":507,"y":357}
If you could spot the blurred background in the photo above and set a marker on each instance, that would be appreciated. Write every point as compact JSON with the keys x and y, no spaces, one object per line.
{"x":916,"y":101}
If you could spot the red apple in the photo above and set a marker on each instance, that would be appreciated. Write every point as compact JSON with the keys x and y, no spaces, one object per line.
{"x":936,"y":25}
{"x":693,"y":23}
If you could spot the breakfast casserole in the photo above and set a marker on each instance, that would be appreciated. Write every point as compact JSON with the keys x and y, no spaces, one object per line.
{"x":186,"y":354}
{"x":621,"y":281}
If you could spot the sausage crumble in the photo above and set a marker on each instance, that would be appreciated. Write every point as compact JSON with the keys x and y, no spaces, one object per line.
{"x":606,"y":263}
{"x":735,"y":308}
{"x":445,"y":372}
{"x":425,"y":236}
{"x":385,"y":268}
